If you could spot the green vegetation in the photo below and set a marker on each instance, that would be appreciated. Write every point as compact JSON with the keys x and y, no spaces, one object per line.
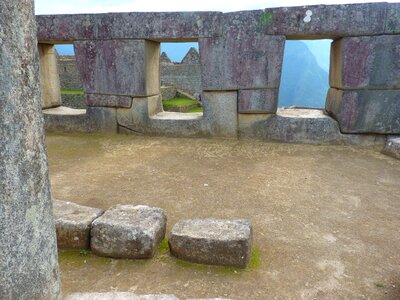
{"x":72,"y":92}
{"x":379,"y":285}
{"x":179,"y":101}
{"x":194,"y":110}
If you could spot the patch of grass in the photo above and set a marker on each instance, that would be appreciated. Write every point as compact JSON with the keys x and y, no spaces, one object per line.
{"x":379,"y":285}
{"x":179,"y":101}
{"x":255,"y":260}
{"x":164,"y":247}
{"x":72,"y":92}
{"x":195,"y":110}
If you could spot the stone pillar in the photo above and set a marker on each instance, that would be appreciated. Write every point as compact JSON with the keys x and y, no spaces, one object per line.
{"x":49,"y":77}
{"x":365,"y":84}
{"x":28,"y":251}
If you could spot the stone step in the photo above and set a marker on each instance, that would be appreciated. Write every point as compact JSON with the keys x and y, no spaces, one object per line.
{"x":212,"y":241}
{"x":65,"y":119}
{"x":392,"y":147}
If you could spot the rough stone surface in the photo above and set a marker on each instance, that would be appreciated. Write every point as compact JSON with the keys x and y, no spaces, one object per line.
{"x":220,"y":113}
{"x":392,"y":147}
{"x":119,"y":67}
{"x":74,"y":100}
{"x":101,"y":119}
{"x":117,"y":296}
{"x":184,"y":76}
{"x":293,"y":125}
{"x":238,"y":61}
{"x":28,"y":247}
{"x":69,"y":74}
{"x":185,"y":26}
{"x":366,"y":62}
{"x":258,"y":101}
{"x":365,"y":111}
{"x":73,"y":223}
{"x":212,"y":241}
{"x":127,"y":231}
{"x":192,"y":57}
{"x":393,"y":18}
{"x":49,"y":76}
{"x":108,"y":100}
{"x":65,"y":120}
{"x":168,"y":92}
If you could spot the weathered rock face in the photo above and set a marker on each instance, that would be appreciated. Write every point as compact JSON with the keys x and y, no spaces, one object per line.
{"x":212,"y":241}
{"x":108,"y":100}
{"x":127,"y":231}
{"x":365,"y":111}
{"x":28,"y":260}
{"x":118,"y":296}
{"x":369,"y":62}
{"x":119,"y":67}
{"x":392,"y":147}
{"x":73,"y":223}
{"x":258,"y":101}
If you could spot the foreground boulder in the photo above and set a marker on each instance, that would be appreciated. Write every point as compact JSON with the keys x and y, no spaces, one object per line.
{"x":117,"y":296}
{"x":212,"y":241}
{"x":392,"y":147}
{"x":128,"y":231}
{"x":73,"y":223}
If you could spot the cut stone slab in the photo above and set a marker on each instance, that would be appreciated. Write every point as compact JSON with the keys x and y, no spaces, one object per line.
{"x":258,"y":101}
{"x":368,"y":62}
{"x":212,"y":241}
{"x":73,"y":223}
{"x":101,"y":119}
{"x":365,"y":111}
{"x":392,"y":147}
{"x":128,"y":231}
{"x":118,"y":296}
{"x":393,"y":18}
{"x":108,"y":100}
{"x":65,"y":120}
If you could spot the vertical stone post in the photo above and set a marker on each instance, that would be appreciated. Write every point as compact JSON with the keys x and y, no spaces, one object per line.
{"x":28,"y":251}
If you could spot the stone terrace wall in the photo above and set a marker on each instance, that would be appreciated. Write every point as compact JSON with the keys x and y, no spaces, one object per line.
{"x":69,"y":74}
{"x":241,"y":61}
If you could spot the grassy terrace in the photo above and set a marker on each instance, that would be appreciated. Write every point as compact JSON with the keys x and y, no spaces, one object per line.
{"x":72,"y":92}
{"x":181,"y":101}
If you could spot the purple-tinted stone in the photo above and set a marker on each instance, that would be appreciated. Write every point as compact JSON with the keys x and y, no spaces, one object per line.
{"x":365,"y":111}
{"x":108,"y":100}
{"x":119,"y":67}
{"x":366,"y":62}
{"x":258,"y":101}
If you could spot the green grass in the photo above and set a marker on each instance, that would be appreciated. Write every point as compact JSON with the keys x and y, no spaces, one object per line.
{"x":72,"y":92}
{"x":195,"y":110}
{"x":179,"y":101}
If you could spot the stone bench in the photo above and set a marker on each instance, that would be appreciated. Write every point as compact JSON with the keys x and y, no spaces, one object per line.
{"x":212,"y":241}
{"x":128,"y":231}
{"x":73,"y":223}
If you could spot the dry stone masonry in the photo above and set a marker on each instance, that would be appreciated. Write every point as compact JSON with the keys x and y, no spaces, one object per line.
{"x":241,"y":57}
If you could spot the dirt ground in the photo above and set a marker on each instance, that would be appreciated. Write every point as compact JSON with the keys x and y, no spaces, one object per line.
{"x":326,"y":218}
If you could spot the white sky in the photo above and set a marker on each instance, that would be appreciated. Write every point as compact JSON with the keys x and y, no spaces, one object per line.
{"x":98,"y":6}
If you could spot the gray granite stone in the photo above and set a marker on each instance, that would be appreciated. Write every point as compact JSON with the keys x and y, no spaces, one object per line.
{"x":101,"y":119}
{"x":65,"y":120}
{"x":128,"y":231}
{"x":28,"y":245}
{"x":393,"y":18}
{"x":108,"y":100}
{"x":392,"y":147}
{"x":366,"y":62}
{"x":258,"y":101}
{"x":73,"y":223}
{"x":365,"y":111}
{"x":118,"y":296}
{"x":212,"y":241}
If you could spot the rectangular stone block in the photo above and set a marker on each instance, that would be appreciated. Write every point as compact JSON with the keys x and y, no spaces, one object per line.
{"x":366,"y":62}
{"x":133,"y":25}
{"x":128,"y":231}
{"x":101,"y":120}
{"x":393,"y":18}
{"x":73,"y":223}
{"x":239,"y":61}
{"x":220,"y":117}
{"x":365,"y":111}
{"x":258,"y":101}
{"x":108,"y":100}
{"x":212,"y":241}
{"x":119,"y":67}
{"x":49,"y":77}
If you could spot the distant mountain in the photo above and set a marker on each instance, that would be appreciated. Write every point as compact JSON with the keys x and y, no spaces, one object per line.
{"x":303,"y":82}
{"x":321,"y":49}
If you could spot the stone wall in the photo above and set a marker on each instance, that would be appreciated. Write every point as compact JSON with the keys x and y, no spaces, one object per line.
{"x":240,"y":67}
{"x":69,"y":74}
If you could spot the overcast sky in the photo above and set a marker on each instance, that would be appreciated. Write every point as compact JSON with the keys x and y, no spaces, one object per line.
{"x":97,"y":6}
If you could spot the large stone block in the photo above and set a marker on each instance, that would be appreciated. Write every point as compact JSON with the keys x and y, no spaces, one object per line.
{"x":73,"y":223}
{"x":220,"y":113}
{"x":365,"y":111}
{"x":243,"y":61}
{"x":392,"y":147}
{"x":128,"y":231}
{"x":28,"y":245}
{"x":108,"y":100}
{"x":118,"y":296}
{"x":134,"y":25}
{"x":65,"y":120}
{"x":49,"y":78}
{"x":119,"y":67}
{"x":393,"y":18}
{"x":258,"y":101}
{"x":101,"y":120}
{"x":366,"y":62}
{"x":212,"y":241}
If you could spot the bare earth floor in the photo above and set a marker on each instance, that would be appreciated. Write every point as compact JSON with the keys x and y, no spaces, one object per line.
{"x":326,"y":218}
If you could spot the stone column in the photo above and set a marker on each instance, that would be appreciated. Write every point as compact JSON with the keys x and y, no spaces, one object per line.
{"x":28,"y":251}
